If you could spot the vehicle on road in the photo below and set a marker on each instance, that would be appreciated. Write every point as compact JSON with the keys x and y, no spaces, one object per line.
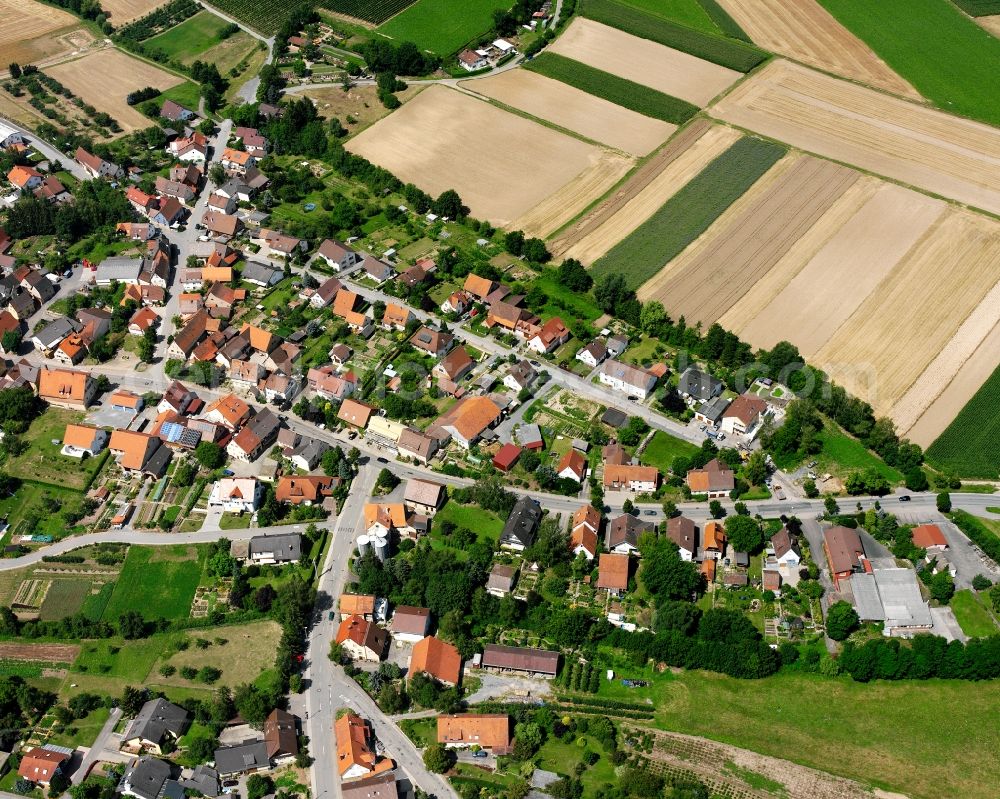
{"x":904,"y":498}
{"x":381,"y":460}
{"x":481,"y":753}
{"x":650,"y":512}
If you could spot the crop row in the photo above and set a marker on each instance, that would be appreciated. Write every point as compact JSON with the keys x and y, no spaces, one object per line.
{"x":968,"y":446}
{"x":580,"y":677}
{"x":689,"y":213}
{"x":374,"y":11}
{"x":611,"y":704}
{"x":723,"y":21}
{"x":726,"y":52}
{"x":979,"y":8}
{"x":613,"y":88}
{"x":263,"y":17}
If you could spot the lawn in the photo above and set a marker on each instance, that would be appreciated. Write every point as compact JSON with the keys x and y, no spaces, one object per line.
{"x":42,"y":462}
{"x":663,"y":448}
{"x":934,"y":46}
{"x":34,"y":507}
{"x":157,"y":582}
{"x":187,"y":41}
{"x":841,"y":454}
{"x":82,"y":732}
{"x":423,"y":732}
{"x":240,"y":652}
{"x":627,"y":16}
{"x":234,"y":521}
{"x":888,"y":734}
{"x":561,"y":300}
{"x":560,"y":757}
{"x":974,"y":619}
{"x":443,"y":26}
{"x":689,"y":213}
{"x":118,"y":659}
{"x":186,"y":94}
{"x":482,"y":522}
{"x":968,"y":445}
{"x":615,"y":89}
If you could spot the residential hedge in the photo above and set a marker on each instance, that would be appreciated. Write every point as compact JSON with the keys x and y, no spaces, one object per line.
{"x":620,"y":91}
{"x":689,"y":213}
{"x":725,"y":52}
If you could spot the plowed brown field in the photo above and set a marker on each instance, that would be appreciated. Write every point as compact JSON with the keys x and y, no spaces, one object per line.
{"x":745,"y":243}
{"x":639,"y":199}
{"x":807,"y":32}
{"x":44,"y":653}
{"x":592,"y":117}
{"x":501,"y":164}
{"x":929,"y":149}
{"x":642,"y":61}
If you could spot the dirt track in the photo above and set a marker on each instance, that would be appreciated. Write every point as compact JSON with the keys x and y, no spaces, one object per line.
{"x":44,"y":653}
{"x":929,"y":149}
{"x":640,"y":198}
{"x":642,"y":61}
{"x":592,"y":117}
{"x":741,"y":246}
{"x":501,"y":164}
{"x":807,"y":32}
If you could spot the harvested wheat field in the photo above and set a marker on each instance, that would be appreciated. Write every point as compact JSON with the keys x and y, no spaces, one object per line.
{"x":568,"y":107}
{"x":31,"y":31}
{"x":928,"y":149}
{"x":967,"y":379}
{"x":361,"y":104}
{"x":990,"y":23}
{"x":910,"y":317}
{"x":501,"y":164}
{"x":642,"y":61}
{"x":602,"y":230}
{"x":807,"y":32}
{"x":122,"y":11}
{"x":742,"y":246}
{"x":105,"y":77}
{"x":857,"y":255}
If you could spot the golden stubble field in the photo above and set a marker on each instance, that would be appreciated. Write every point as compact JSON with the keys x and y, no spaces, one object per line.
{"x":916,"y":145}
{"x":566,"y":106}
{"x":31,"y":31}
{"x":807,"y":32}
{"x":105,"y":77}
{"x":122,"y":11}
{"x":646,"y":190}
{"x":642,"y":61}
{"x":506,"y":168}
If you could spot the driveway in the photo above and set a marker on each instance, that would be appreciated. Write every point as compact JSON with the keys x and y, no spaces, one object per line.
{"x":497,"y":685}
{"x":968,"y":559}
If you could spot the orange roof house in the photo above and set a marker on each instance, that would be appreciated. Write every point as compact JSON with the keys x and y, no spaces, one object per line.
{"x":355,"y":413}
{"x":573,"y":464}
{"x":135,"y":448}
{"x":613,"y":572}
{"x":24,"y":177}
{"x":713,"y":541}
{"x":66,"y":388}
{"x":39,"y":765}
{"x":385,"y":517}
{"x":355,"y":757}
{"x":142,"y":320}
{"x":487,"y":730}
{"x":627,"y":477}
{"x":357,"y":605}
{"x":125,"y":399}
{"x":436,"y":658}
{"x":929,"y":536}
{"x":469,"y":418}
{"x":396,"y":317}
{"x":306,"y":490}
{"x":362,"y":639}
{"x":479,"y":286}
{"x":715,"y":479}
{"x":583,"y":535}
{"x":229,"y":410}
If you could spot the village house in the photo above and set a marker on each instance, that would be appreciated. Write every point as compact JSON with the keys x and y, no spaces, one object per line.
{"x":245,"y":758}
{"x":192,"y":148}
{"x":845,"y":553}
{"x":142,"y":320}
{"x":176,"y":398}
{"x":53,"y":191}
{"x":224,"y":205}
{"x":479,"y":287}
{"x":355,"y":755}
{"x":785,"y":550}
{"x":410,"y":624}
{"x":98,"y":167}
{"x":275,"y":244}
{"x":157,"y":723}
{"x":437,"y":659}
{"x":424,"y":497}
{"x":82,"y":439}
{"x":66,"y":388}
{"x":175,"y":112}
{"x":355,"y":413}
{"x":520,"y":376}
{"x":337,"y":255}
{"x":25,"y":178}
{"x":417,"y":446}
{"x":612,"y":573}
{"x":550,"y":336}
{"x":713,"y":540}
{"x":124,"y":400}
{"x":486,"y":731}
{"x":383,"y":519}
{"x":586,"y":526}
{"x":714,"y":479}
{"x":682,"y":531}
{"x":377,"y":270}
{"x":471,"y":61}
{"x":468,"y":419}
{"x":500,"y":581}
{"x":454,"y":366}
{"x":623,"y":534}
{"x":325,"y":293}
{"x":522,"y":524}
{"x":275,"y":549}
{"x":229,"y":410}
{"x":173,"y":188}
{"x":222,"y":226}
{"x":140,"y":453}
{"x":457,"y":303}
{"x":593,"y":354}
{"x":308,"y":453}
{"x":255,"y":437}
{"x":41,"y":763}
{"x":396,"y":317}
{"x":925,"y":536}
{"x":710,"y":413}
{"x":534,"y":662}
{"x":236,"y":494}
{"x":697,"y":386}
{"x":628,"y":379}
{"x":572,"y":465}
{"x":626,"y":477}
{"x":310,"y":489}
{"x":280,"y":737}
{"x":237,"y":162}
{"x":433,"y":342}
{"x":362,"y":639}
{"x":743,"y":415}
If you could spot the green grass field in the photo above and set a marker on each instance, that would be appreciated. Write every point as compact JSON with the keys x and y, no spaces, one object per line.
{"x":689,"y":213}
{"x":95,"y":604}
{"x":443,"y":26}
{"x":187,"y":41}
{"x":27,"y":510}
{"x":119,"y":659}
{"x":619,"y":91}
{"x":974,"y":619}
{"x":482,"y":522}
{"x":82,"y":732}
{"x":186,"y":94}
{"x":968,"y":446}
{"x":718,"y":49}
{"x":934,"y":46}
{"x":686,"y":12}
{"x":561,"y":300}
{"x":663,"y":448}
{"x":887,"y":734}
{"x":42,"y":462}
{"x":842,"y":454}
{"x":157,"y":582}
{"x":242,"y":654}
{"x":65,"y":598}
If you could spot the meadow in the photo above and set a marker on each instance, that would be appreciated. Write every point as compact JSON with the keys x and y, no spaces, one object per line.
{"x":717,"y":49}
{"x":689,"y":212}
{"x":687,"y":12}
{"x":968,"y":446}
{"x":620,"y":91}
{"x":157,"y":582}
{"x":443,"y":26}
{"x":663,"y":448}
{"x":42,"y":461}
{"x":191,"y":38}
{"x":934,"y":46}
{"x":240,"y":652}
{"x":974,"y":619}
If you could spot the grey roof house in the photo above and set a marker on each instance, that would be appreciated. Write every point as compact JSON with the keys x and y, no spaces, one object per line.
{"x":281,"y":548}
{"x":695,"y":384}
{"x":522,"y":524}
{"x":157,"y":722}
{"x":242,"y":758}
